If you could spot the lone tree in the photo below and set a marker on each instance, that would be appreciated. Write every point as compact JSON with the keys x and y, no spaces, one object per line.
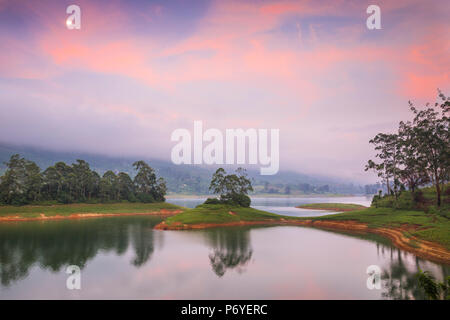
{"x":232,"y":188}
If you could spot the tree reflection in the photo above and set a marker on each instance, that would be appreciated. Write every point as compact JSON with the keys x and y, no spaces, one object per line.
{"x":142,"y":239}
{"x":231,"y":249}
{"x":399,"y":278}
{"x":54,"y":245}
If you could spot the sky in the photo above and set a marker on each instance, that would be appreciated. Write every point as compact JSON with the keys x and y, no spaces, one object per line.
{"x":138,"y":70}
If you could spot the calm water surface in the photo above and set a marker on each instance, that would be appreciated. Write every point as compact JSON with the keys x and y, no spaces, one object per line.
{"x":124,"y":258}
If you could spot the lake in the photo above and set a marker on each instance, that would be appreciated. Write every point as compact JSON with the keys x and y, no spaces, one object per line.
{"x":124,"y":258}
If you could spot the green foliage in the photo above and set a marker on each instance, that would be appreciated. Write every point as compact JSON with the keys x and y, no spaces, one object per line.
{"x":145,"y":197}
{"x":65,"y":198}
{"x":232,"y":188}
{"x":108,"y":186}
{"x":24,"y":183}
{"x":212,"y":201}
{"x":420,"y":199}
{"x":145,"y":182}
{"x":21,"y":182}
{"x":388,"y":151}
{"x":419,"y":153}
{"x":433,"y":290}
{"x":242,"y":200}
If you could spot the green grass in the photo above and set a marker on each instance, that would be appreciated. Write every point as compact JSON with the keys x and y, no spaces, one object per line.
{"x":332,"y":206}
{"x":427,"y":226}
{"x":68,"y":209}
{"x":219,"y":214}
{"x":424,"y":199}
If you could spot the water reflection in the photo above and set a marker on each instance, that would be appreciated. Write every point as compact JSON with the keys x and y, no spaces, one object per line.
{"x":244,"y":262}
{"x":400,"y":283}
{"x":399,"y":277}
{"x":231,"y":249}
{"x":57,"y":244}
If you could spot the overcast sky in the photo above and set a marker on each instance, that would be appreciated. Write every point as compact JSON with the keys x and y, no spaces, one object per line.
{"x":137,"y":70}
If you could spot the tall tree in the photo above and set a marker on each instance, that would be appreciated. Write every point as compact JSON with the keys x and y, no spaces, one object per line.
{"x":52,"y":182}
{"x":145,"y":178}
{"x":21,"y":182}
{"x":125,"y":186}
{"x":33,"y":181}
{"x":82,"y":175}
{"x":108,"y":186}
{"x":148,"y":188}
{"x":432,"y":138}
{"x":411,"y":161}
{"x":388,"y":151}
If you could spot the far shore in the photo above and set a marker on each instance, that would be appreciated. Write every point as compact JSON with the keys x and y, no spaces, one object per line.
{"x":266,"y":195}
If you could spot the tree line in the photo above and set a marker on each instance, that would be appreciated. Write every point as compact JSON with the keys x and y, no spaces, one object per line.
{"x":23,"y":183}
{"x":418,"y":153}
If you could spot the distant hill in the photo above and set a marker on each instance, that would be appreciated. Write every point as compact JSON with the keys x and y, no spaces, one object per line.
{"x":186,"y":179}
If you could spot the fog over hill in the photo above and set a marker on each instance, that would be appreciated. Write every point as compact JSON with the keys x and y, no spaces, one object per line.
{"x":188,"y":179}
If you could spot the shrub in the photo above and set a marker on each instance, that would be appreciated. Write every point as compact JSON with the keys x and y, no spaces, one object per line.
{"x":131,"y":197}
{"x":375,"y":200}
{"x":433,"y":289}
{"x":242,"y":200}
{"x":145,"y":197}
{"x":405,"y":201}
{"x":418,"y":197}
{"x":19,"y":200}
{"x":212,"y":201}
{"x":65,"y":198}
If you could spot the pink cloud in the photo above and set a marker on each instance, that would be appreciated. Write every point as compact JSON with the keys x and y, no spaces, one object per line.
{"x":277,"y":63}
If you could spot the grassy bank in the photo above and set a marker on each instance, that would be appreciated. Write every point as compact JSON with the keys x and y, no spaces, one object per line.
{"x":220,"y":215}
{"x":423,"y":199}
{"x":34,"y":211}
{"x":332,"y":206}
{"x":414,"y":223}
